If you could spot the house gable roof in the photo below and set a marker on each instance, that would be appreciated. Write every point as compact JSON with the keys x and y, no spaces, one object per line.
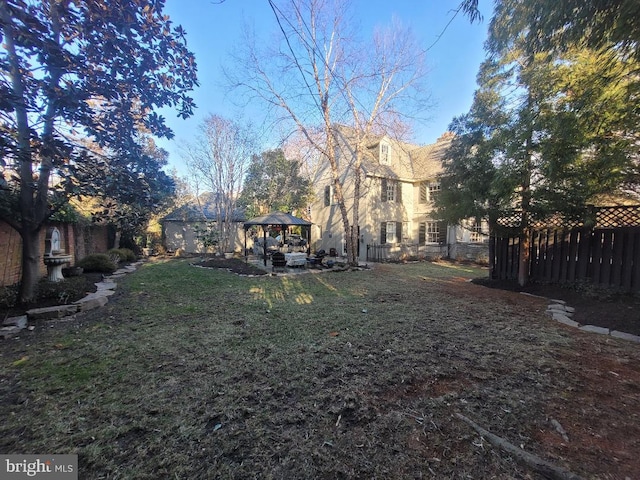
{"x":409,"y":162}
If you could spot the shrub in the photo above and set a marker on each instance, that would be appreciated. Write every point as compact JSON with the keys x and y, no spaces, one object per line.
{"x":97,"y":262}
{"x":125,"y":254}
{"x":9,"y":295}
{"x":63,"y":292}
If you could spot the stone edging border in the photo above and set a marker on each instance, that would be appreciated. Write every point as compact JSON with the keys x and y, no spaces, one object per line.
{"x":559,"y":311}
{"x":13,"y":325}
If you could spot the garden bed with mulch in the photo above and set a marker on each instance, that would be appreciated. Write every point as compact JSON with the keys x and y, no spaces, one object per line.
{"x":234,"y":265}
{"x":49,"y":294}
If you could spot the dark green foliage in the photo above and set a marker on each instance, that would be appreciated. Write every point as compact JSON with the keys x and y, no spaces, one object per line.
{"x":548,"y":131}
{"x":274,"y":183}
{"x":97,"y":262}
{"x":208,"y":234}
{"x":125,"y":254}
{"x":60,"y":293}
{"x":79,"y":81}
{"x":9,"y":295}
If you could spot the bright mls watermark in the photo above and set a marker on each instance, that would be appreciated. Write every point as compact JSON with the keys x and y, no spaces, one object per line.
{"x":49,"y":467}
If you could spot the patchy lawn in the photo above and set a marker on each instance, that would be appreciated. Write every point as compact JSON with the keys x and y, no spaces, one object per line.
{"x":199,"y":373}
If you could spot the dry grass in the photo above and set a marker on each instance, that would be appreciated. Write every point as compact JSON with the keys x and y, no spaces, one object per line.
{"x":199,"y":373}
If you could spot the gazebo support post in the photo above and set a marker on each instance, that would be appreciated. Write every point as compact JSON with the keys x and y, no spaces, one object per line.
{"x":246,"y":257}
{"x":284,"y":234}
{"x":264,"y":244}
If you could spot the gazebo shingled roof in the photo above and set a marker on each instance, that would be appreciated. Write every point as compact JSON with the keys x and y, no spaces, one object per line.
{"x":277,"y":218}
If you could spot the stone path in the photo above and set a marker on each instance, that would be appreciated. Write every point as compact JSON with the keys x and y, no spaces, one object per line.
{"x":13,"y":325}
{"x":561,"y":312}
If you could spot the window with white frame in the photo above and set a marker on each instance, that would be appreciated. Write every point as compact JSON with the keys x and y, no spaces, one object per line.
{"x":384,"y":154}
{"x":391,"y":191}
{"x":433,"y":190}
{"x":428,"y":191}
{"x":476,"y":235}
{"x":432,"y":232}
{"x":391,"y":232}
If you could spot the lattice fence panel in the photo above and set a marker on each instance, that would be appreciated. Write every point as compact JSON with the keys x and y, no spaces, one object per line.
{"x":599,"y":217}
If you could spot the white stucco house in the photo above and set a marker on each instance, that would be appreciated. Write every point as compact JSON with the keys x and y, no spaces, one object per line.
{"x":399,"y":183}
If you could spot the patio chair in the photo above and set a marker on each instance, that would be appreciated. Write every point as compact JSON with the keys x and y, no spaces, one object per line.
{"x":316,"y":260}
{"x":278,"y":261}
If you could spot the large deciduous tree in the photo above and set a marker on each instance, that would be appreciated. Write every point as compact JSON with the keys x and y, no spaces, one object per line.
{"x":274,"y":182}
{"x":74,"y":70}
{"x":320,"y":74}
{"x":548,"y":129}
{"x":217,"y":161}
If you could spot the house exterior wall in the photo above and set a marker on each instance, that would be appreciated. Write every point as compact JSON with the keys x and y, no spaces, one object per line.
{"x":395,"y":165}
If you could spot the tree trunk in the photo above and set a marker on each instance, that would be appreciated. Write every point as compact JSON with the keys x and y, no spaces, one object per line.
{"x":116,"y":241}
{"x":524,"y":257}
{"x":30,"y":264}
{"x":352,"y":245}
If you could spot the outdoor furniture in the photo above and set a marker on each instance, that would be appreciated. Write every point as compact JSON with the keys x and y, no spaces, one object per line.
{"x":278,"y":261}
{"x":296,"y":259}
{"x":316,"y":260}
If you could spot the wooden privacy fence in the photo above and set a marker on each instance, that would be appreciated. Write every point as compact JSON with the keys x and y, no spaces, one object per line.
{"x":608,"y":254}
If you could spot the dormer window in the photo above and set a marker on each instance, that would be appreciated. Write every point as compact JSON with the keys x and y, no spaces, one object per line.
{"x":385,"y":158}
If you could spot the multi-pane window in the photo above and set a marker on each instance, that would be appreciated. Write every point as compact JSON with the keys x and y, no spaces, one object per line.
{"x":476,"y":235}
{"x":434,"y":190}
{"x":428,"y":191}
{"x":390,"y":232}
{"x":384,"y":154}
{"x":432,"y":232}
{"x":391,"y":190}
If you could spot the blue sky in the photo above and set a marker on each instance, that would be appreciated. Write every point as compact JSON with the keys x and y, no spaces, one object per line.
{"x":213,"y":28}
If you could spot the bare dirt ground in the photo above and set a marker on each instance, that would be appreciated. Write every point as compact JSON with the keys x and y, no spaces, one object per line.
{"x":334,"y":375}
{"x":594,"y":305}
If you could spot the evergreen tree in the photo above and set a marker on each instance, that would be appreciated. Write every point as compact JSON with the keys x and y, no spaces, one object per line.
{"x":547,"y":131}
{"x":272,"y":183}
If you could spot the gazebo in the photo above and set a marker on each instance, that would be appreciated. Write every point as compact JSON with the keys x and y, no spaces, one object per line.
{"x":276,"y":219}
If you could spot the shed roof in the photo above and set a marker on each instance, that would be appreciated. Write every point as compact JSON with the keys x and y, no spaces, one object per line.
{"x":200,"y":213}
